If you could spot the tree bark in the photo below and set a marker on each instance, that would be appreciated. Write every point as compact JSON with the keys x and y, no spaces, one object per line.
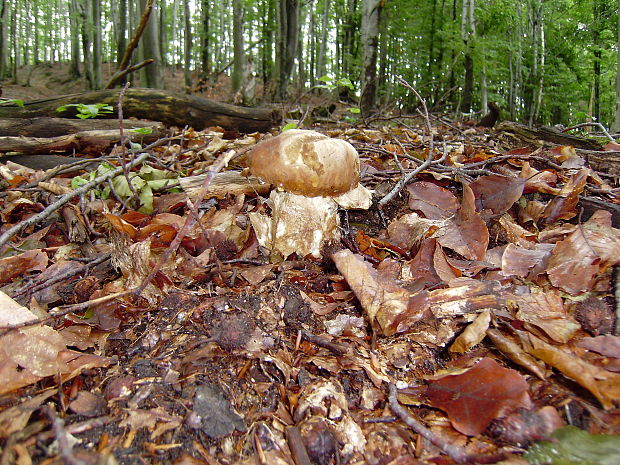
{"x":238,"y":55}
{"x":158,"y":105}
{"x":151,"y":75}
{"x":287,"y":44}
{"x":616,"y":125}
{"x":371,"y":17}
{"x":187,"y":49}
{"x":74,"y":12}
{"x":54,"y":127}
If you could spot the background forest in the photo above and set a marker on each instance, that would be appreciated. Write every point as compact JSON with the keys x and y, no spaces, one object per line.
{"x":542,"y":62}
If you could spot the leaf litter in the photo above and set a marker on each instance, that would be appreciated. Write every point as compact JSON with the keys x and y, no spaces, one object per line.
{"x":467,"y":319}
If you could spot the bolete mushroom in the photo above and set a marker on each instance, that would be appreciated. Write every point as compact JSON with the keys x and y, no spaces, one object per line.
{"x":314,"y":175}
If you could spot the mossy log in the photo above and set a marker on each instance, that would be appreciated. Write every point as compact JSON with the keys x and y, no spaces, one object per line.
{"x":157,"y":105}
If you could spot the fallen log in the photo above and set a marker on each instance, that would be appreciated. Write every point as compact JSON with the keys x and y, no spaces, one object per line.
{"x":157,"y":105}
{"x":544,"y":133}
{"x":85,"y":142}
{"x":54,"y":127}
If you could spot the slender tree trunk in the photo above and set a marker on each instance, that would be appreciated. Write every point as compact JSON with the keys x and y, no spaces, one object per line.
{"x":484,"y":91}
{"x":15,"y":45}
{"x":74,"y":13}
{"x":4,"y":46}
{"x":287,"y":44}
{"x":468,"y":31}
{"x":152,"y":75}
{"x":96,"y":11}
{"x":320,"y":63}
{"x":616,"y":124}
{"x":238,"y":56}
{"x":371,"y":17}
{"x":205,"y":63}
{"x":87,"y":41}
{"x":596,"y":51}
{"x":187,"y":49}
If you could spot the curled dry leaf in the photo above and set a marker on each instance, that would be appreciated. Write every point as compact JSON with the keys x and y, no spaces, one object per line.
{"x":604,"y":385}
{"x":473,"y":333}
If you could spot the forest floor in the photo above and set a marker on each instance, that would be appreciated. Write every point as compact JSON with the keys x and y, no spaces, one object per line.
{"x":470,"y":319}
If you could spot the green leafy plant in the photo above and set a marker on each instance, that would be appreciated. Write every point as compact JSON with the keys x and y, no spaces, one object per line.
{"x":141,"y":131}
{"x":16,"y":101}
{"x":331,"y":83}
{"x":85,"y":111}
{"x":143,"y":182}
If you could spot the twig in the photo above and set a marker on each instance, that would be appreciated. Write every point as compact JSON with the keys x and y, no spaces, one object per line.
{"x":217,"y":166}
{"x":62,"y":311}
{"x":456,"y":453}
{"x":61,"y":277}
{"x":51,"y":208}
{"x":296,"y":445}
{"x":64,"y":446}
{"x":595,"y":124}
{"x":429,"y":158}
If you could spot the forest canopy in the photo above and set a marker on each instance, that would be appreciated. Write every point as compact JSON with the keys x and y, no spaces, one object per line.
{"x":541,"y":62}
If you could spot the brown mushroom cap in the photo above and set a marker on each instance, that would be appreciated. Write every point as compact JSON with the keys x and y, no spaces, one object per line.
{"x":306,"y":163}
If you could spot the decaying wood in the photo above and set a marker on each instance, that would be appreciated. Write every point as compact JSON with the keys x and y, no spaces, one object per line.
{"x":225,"y":182}
{"x":548,"y":134}
{"x":85,"y":141}
{"x":603,"y":162}
{"x":157,"y":105}
{"x":54,"y":127}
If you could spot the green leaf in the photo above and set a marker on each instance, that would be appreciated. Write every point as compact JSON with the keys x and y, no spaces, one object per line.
{"x":355,"y":110}
{"x":142,"y":131}
{"x":326,"y":78}
{"x":15,"y":101}
{"x":575,"y":447}
{"x":288,"y":126}
{"x":146,"y":199}
{"x":77,"y":182}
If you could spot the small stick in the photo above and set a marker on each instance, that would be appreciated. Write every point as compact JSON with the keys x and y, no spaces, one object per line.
{"x":296,"y":445}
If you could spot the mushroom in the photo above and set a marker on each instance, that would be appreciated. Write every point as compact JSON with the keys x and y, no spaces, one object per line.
{"x":314,"y":175}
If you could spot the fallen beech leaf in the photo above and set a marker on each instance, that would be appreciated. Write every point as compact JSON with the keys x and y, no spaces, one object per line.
{"x":17,"y":265}
{"x":604,"y":385}
{"x":605,"y":345}
{"x":588,"y":250}
{"x":473,"y":333}
{"x":474,"y":398}
{"x":395,"y":309}
{"x":563,"y":206}
{"x":546,"y":311}
{"x":513,"y":350}
{"x":436,"y":203}
{"x":409,"y":229}
{"x":497,"y":193}
{"x":466,"y":233}
{"x":538,"y":181}
{"x":520,"y":262}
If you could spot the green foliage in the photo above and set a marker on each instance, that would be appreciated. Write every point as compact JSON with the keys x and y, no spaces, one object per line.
{"x":288,"y":126}
{"x":331,"y":83}
{"x":573,"y":446}
{"x":85,"y":111}
{"x":15,"y":101}
{"x":141,"y":131}
{"x":144,"y":182}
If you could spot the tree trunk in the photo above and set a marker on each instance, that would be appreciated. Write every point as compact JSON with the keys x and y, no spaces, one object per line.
{"x":468,"y":31}
{"x":205,"y":63}
{"x":238,"y":56}
{"x":371,"y":17}
{"x":96,"y":11}
{"x":167,"y":107}
{"x":74,"y":13}
{"x":87,"y":41}
{"x":287,"y":44}
{"x":596,"y":51}
{"x":152,"y":75}
{"x":4,"y":46}
{"x":187,"y":49}
{"x":320,"y":64}
{"x":616,"y":124}
{"x":121,"y":30}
